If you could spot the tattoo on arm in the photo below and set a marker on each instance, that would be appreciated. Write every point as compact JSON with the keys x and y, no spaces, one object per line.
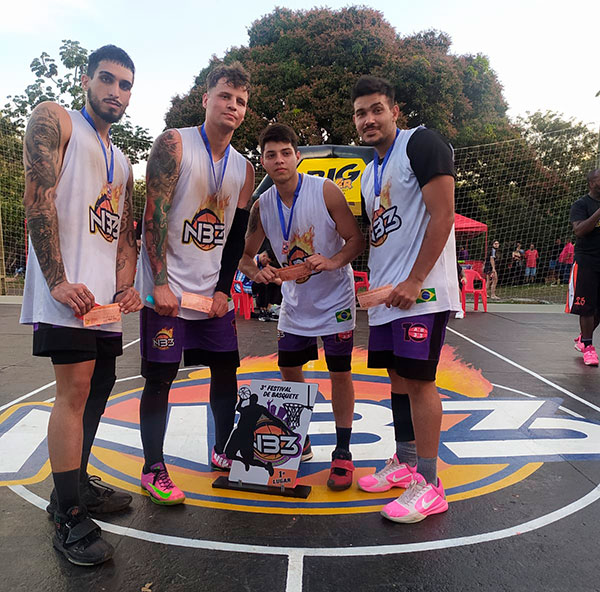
{"x":42,"y":160}
{"x":254,"y":219}
{"x":126,"y":250}
{"x":162,"y":175}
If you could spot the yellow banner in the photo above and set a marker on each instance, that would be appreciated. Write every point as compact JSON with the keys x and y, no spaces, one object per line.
{"x":344,"y":172}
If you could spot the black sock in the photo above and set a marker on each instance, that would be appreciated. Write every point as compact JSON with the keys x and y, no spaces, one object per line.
{"x":586,"y":342}
{"x":101,"y":385}
{"x":403,"y":427}
{"x":343,"y":438}
{"x":223,"y":398}
{"x":66,"y":485}
{"x":154,"y":406}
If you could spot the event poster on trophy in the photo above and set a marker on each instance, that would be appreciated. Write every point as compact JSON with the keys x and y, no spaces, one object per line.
{"x":266,"y":443}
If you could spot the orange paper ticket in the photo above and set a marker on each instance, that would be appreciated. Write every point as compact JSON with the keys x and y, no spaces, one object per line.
{"x":102,"y":315}
{"x":374,"y":297}
{"x":196,"y":302}
{"x":293,"y":272}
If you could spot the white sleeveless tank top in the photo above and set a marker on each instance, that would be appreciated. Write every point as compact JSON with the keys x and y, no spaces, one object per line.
{"x":198,"y":222}
{"x":89,"y":221}
{"x":324,"y":303}
{"x":398,"y":222}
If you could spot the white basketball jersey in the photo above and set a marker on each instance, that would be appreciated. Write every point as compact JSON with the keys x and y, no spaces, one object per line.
{"x":398,"y":222}
{"x":323,"y":304}
{"x":198,"y":222}
{"x":89,"y":220}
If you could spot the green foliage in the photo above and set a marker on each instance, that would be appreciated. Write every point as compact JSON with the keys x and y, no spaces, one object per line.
{"x":60,"y":82}
{"x":523,"y":189}
{"x":304,"y":63}
{"x":12,"y":185}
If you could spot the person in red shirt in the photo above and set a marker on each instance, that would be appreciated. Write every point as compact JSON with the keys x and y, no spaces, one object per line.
{"x":531,"y":257}
{"x":565,"y":260}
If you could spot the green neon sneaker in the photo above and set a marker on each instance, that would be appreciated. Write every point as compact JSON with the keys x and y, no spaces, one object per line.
{"x":159,"y":486}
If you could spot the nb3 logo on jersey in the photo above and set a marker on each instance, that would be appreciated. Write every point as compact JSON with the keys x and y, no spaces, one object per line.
{"x":385,"y":221}
{"x":205,"y":230}
{"x":104,"y":214}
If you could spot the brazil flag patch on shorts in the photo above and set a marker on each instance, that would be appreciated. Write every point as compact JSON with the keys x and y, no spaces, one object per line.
{"x":426,"y":295}
{"x":343,"y":315}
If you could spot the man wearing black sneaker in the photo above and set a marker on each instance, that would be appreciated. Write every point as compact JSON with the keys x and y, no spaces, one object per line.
{"x":78,"y":191}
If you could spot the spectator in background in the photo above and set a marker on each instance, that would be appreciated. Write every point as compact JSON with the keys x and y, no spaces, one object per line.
{"x":463,"y":253}
{"x":490,"y":268}
{"x":553,"y":277}
{"x":268,"y":296}
{"x":565,"y":261}
{"x":516,"y":265}
{"x":531,"y":257}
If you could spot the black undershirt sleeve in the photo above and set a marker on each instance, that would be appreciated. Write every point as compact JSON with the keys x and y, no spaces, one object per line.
{"x":430,"y":155}
{"x":233,"y":250}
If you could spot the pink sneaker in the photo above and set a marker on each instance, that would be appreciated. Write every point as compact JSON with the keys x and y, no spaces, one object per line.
{"x":394,"y":474}
{"x":590,"y":357}
{"x":160,"y":487}
{"x":578,"y":344}
{"x":219,"y":462}
{"x":420,"y":500}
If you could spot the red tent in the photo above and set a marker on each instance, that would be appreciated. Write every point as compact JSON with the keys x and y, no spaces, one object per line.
{"x":464,"y":224}
{"x":467,"y":227}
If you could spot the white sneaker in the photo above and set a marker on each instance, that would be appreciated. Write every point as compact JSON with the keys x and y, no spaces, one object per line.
{"x":460,"y":314}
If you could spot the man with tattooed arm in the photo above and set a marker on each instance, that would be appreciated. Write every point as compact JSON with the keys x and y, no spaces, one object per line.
{"x":78,"y":202}
{"x":198,"y":189}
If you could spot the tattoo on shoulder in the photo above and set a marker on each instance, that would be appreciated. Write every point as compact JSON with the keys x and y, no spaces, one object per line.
{"x":162,"y":168}
{"x":42,"y":151}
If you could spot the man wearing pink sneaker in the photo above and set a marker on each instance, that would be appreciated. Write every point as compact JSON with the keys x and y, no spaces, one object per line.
{"x":408,"y":192}
{"x":584,"y":285}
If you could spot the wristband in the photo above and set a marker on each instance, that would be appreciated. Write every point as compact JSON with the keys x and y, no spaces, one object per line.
{"x":119,"y":292}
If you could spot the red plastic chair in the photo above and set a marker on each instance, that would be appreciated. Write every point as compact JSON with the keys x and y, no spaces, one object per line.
{"x":469,"y":288}
{"x":243,"y":302}
{"x":361,"y":280}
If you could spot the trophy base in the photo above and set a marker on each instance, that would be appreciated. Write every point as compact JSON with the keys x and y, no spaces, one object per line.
{"x":300,"y":491}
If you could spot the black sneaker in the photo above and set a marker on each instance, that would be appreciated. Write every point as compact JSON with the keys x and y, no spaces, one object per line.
{"x":78,"y":538}
{"x":96,"y":497}
{"x":307,"y":452}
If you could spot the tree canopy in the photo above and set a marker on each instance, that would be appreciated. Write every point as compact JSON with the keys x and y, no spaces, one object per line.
{"x":61,"y":82}
{"x":304,"y":63}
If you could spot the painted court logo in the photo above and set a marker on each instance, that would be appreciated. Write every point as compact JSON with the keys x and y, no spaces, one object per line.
{"x":488,"y":442}
{"x":104,"y":214}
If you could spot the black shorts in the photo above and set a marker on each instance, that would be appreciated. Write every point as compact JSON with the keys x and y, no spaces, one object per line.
{"x":69,"y":345}
{"x":584,"y":291}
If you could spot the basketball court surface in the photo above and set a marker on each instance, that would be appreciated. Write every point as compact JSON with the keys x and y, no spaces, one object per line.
{"x":519,"y":460}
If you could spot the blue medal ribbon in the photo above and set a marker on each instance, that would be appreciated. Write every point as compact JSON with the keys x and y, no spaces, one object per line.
{"x":219,"y":184}
{"x":378,"y":177}
{"x":110,"y":169}
{"x":285,"y":230}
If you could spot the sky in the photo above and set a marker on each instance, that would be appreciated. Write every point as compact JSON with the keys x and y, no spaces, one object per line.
{"x":545,"y":53}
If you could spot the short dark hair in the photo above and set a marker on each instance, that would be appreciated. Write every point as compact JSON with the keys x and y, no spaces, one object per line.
{"x":278,"y":132}
{"x":234,"y":74}
{"x":592,"y":175}
{"x":371,"y":85}
{"x":110,"y":53}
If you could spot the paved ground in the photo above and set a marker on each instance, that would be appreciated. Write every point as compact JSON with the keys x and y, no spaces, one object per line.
{"x":519,"y":460}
